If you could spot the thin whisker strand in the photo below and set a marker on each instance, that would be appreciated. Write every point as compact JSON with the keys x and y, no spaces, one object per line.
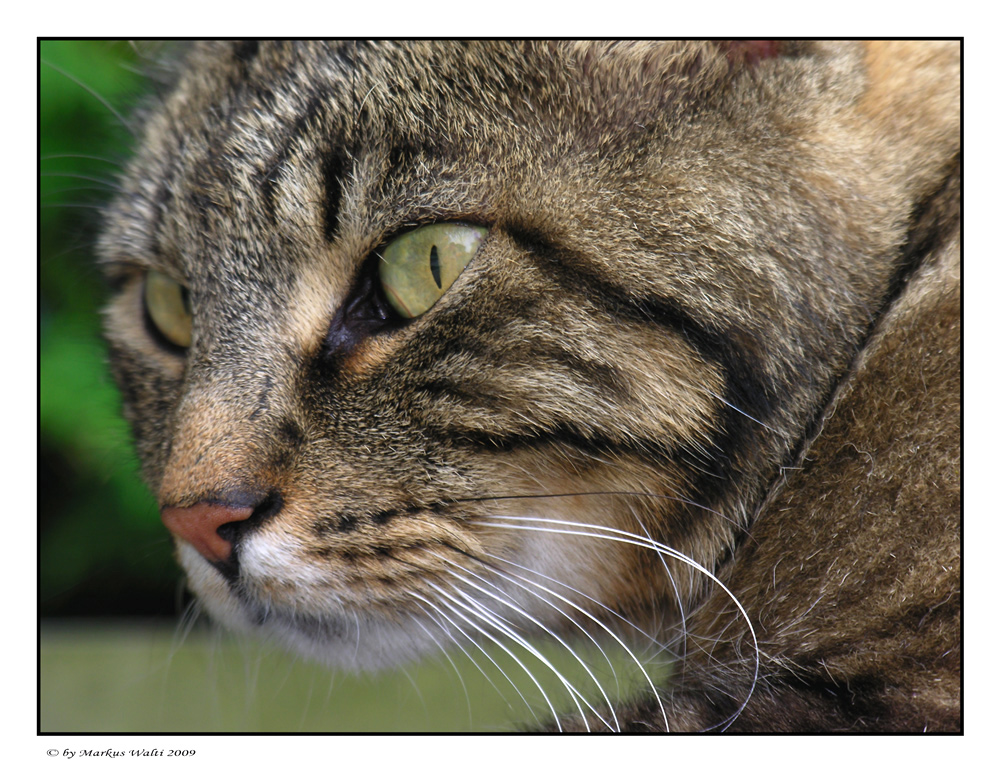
{"x":516,"y":607}
{"x":607,"y":630}
{"x":635,"y":494}
{"x":673,"y":583}
{"x":121,"y":119}
{"x":509,"y":653}
{"x":53,"y":192}
{"x":565,"y":586}
{"x":73,"y":205}
{"x":435,"y":609}
{"x":742,"y":413}
{"x":106,"y":184}
{"x":444,"y":651}
{"x":624,"y":537}
{"x":80,"y":157}
{"x":502,"y":625}
{"x":534,"y":593}
{"x":433,"y":614}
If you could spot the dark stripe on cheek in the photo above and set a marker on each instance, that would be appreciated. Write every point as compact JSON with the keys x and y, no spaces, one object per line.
{"x":748,"y":399}
{"x":553,"y":364}
{"x":737,"y":351}
{"x":592,"y":444}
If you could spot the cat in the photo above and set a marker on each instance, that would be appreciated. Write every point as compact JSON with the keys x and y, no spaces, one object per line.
{"x":431,"y":343}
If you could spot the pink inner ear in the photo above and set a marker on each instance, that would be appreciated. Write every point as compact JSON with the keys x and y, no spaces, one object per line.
{"x":751,"y":52}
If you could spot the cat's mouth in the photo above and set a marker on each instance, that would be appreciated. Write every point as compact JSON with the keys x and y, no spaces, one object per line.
{"x":370,"y":607}
{"x":341,"y":634}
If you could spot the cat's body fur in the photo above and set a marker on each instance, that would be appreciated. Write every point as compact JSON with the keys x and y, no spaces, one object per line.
{"x":717,"y":309}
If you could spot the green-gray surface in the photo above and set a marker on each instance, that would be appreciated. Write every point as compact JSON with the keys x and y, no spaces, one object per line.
{"x":144,"y":678}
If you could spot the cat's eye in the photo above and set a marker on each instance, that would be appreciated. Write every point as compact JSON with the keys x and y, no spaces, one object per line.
{"x":169,"y":306}
{"x":417,"y":268}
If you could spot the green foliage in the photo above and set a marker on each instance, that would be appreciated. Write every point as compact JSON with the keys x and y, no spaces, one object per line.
{"x":102,"y":548}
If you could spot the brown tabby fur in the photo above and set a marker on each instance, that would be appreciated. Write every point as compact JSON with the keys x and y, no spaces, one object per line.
{"x":718,"y":307}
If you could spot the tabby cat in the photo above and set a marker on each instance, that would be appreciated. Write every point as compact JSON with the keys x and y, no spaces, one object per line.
{"x":432,"y":343}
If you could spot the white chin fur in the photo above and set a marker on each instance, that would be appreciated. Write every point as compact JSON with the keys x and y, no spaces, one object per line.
{"x":348,"y":640}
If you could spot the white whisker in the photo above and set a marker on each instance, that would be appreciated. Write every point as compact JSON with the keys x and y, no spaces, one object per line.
{"x":506,"y":576}
{"x":622,"y":493}
{"x":80,"y":156}
{"x":603,"y":626}
{"x":105,"y":183}
{"x":501,"y":624}
{"x":673,"y":583}
{"x":437,"y":610}
{"x":525,"y":668}
{"x":516,"y":607}
{"x":624,"y":537}
{"x":565,"y":586}
{"x":121,"y":118}
{"x":444,"y":651}
{"x":742,"y":413}
{"x":437,"y":613}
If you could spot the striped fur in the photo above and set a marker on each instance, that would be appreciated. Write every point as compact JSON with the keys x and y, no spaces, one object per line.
{"x":692,"y":249}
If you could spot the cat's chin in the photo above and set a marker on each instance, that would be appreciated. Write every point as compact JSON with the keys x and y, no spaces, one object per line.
{"x":352,"y":644}
{"x":351,"y":640}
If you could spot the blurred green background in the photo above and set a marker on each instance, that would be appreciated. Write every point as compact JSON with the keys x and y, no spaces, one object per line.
{"x":102,"y":549}
{"x":116,"y":654}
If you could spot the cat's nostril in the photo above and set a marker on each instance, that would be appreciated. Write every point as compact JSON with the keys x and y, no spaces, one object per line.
{"x":263,"y":510}
{"x":214,"y":527}
{"x":199,"y":526}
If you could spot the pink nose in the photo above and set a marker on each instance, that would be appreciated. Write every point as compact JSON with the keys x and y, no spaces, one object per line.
{"x":198,"y":526}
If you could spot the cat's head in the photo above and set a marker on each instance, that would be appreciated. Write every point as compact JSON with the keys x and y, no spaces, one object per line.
{"x":414,"y":335}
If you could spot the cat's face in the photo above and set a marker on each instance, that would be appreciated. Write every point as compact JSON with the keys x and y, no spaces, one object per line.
{"x":633,"y":334}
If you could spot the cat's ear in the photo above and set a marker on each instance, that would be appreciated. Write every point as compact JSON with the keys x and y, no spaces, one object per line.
{"x":750,"y":53}
{"x":912,"y":99}
{"x":912,"y":80}
{"x":637,"y":77}
{"x":668,"y":58}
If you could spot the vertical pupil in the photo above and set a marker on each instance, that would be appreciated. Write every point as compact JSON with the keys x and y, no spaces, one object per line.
{"x":436,"y":266}
{"x":186,"y":299}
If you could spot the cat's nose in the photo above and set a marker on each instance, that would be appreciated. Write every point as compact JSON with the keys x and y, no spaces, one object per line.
{"x":199,"y":526}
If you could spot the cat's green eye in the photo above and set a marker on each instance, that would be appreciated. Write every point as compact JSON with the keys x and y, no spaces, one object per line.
{"x":418,"y":267}
{"x":169,"y":306}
